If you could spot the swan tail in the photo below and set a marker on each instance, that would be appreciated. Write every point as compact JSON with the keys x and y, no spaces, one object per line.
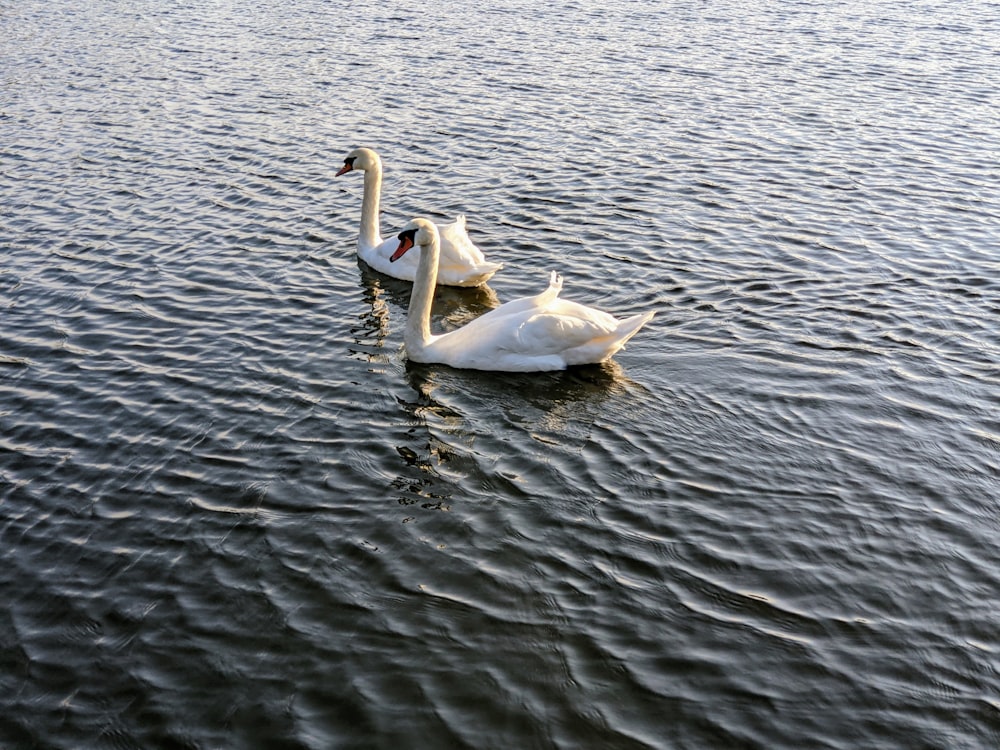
{"x":456,"y":230}
{"x":555,"y":283}
{"x":457,"y":246}
{"x":548,"y":296}
{"x":630,"y":327}
{"x":603,"y":348}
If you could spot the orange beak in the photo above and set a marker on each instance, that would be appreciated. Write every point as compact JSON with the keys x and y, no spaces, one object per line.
{"x":405,"y":243}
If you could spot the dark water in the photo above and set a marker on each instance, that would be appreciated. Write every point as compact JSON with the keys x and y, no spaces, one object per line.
{"x":231,"y":515}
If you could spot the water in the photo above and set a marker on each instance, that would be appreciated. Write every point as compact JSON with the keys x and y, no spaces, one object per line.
{"x":232,"y":515}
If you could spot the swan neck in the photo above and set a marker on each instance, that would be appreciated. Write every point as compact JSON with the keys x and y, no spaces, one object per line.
{"x":370,"y":235}
{"x":418,"y":318}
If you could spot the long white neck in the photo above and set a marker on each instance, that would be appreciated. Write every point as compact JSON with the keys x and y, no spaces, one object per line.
{"x":369,"y":235}
{"x":418,"y":318}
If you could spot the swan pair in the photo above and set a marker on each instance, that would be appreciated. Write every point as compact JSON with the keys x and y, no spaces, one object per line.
{"x":530,"y":334}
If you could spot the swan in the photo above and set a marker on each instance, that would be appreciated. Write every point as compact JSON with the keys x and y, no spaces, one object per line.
{"x":462,"y":263}
{"x":530,"y":334}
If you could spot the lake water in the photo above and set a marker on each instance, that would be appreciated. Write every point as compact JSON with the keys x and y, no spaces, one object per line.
{"x":232,"y":515}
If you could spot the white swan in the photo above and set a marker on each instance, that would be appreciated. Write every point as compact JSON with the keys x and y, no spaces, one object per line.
{"x":462,"y":263}
{"x":525,"y":335}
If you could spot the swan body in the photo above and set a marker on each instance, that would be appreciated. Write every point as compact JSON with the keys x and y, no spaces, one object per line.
{"x":529,"y":334}
{"x":462,"y":263}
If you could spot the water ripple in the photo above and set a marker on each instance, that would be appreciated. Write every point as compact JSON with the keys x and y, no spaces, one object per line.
{"x":226,"y":496}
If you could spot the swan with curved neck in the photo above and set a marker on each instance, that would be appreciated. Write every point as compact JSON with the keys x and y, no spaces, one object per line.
{"x":462,"y":263}
{"x":530,"y":334}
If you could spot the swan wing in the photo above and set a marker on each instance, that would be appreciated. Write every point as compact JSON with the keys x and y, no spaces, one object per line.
{"x":534,"y":303}
{"x":579,"y":334}
{"x":562,"y":326}
{"x":456,"y":245}
{"x":524,"y":335}
{"x":377,"y":257}
{"x":405,"y":268}
{"x":461,"y":262}
{"x":491,"y":342}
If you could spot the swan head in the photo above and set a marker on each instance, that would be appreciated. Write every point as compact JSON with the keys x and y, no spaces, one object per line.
{"x":420,"y":232}
{"x":360,"y":158}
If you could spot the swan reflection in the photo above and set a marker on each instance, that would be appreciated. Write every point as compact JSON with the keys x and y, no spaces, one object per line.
{"x":463,"y":427}
{"x":420,"y":481}
{"x":465,"y":424}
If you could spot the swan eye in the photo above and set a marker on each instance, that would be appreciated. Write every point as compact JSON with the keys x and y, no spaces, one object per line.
{"x":348,"y":166}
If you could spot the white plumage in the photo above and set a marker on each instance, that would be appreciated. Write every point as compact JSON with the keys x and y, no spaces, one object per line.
{"x":529,"y":334}
{"x":462,"y":263}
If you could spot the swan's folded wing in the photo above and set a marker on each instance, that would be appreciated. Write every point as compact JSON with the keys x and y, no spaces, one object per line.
{"x":556,"y":330}
{"x":456,"y":246}
{"x":482,"y":342}
{"x":527,"y":306}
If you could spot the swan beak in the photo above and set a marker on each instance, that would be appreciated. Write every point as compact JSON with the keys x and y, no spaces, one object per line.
{"x":344,"y":169}
{"x":405,"y":243}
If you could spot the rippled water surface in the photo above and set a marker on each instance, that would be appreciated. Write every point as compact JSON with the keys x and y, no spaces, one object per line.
{"x":232,"y":515}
